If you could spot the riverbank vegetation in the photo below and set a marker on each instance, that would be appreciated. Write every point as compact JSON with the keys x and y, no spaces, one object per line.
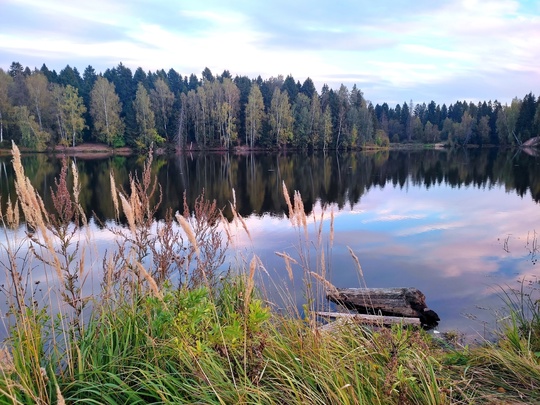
{"x":41,"y":109}
{"x":171,"y":323}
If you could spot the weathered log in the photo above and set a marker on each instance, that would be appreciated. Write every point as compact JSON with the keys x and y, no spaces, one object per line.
{"x":372,"y":319}
{"x":401,"y":302}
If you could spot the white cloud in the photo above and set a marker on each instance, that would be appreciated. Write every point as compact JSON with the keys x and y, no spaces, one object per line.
{"x":413,"y":51}
{"x":393,"y":217}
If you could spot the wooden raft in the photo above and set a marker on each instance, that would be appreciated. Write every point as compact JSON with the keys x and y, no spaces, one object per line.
{"x":385,"y":305}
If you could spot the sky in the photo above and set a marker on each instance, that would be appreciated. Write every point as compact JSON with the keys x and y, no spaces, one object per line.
{"x":394,"y":51}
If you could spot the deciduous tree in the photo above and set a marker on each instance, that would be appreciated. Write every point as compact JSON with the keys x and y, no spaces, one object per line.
{"x":483,"y":130}
{"x":105,"y":110}
{"x":40,"y":97}
{"x":431,"y":133}
{"x":181,"y":134}
{"x":417,"y":128}
{"x":254,"y":115}
{"x":73,"y":110}
{"x":302,"y":121}
{"x":342,"y":113}
{"x":315,"y":118}
{"x":31,"y":136}
{"x":230,"y":97}
{"x":506,"y":122}
{"x":162,"y":101}
{"x":326,"y":128}
{"x":5,"y":106}
{"x":146,"y":127}
{"x":280,"y":117}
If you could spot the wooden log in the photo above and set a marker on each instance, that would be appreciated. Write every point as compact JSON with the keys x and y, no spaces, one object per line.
{"x":400,"y":302}
{"x":372,"y":319}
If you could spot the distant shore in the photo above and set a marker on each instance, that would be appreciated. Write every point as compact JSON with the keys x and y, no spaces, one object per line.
{"x":99,"y":150}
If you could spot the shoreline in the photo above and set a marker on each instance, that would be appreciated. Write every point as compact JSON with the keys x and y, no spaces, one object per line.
{"x":98,"y":150}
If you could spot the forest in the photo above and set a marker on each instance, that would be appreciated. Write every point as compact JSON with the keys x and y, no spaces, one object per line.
{"x":42,"y":109}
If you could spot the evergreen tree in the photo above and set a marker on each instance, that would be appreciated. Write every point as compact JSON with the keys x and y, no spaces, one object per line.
{"x":308,"y":88}
{"x":140,"y":77}
{"x":405,"y":121}
{"x":432,"y":113}
{"x":88,"y":80}
{"x":175,"y":81}
{"x":244,"y":85}
{"x":16,"y":69}
{"x":525,"y":127}
{"x":207,"y":75}
{"x":289,"y":86}
{"x":193,"y":83}
{"x":70,"y":76}
{"x":51,"y":76}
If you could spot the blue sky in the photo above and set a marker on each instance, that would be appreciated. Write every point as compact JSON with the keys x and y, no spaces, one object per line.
{"x":394,"y":51}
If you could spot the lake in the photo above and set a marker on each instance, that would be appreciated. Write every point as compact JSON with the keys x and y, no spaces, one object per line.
{"x":456,"y":224}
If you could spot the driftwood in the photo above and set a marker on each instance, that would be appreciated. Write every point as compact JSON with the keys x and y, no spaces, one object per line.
{"x":393,"y":302}
{"x":371,"y":319}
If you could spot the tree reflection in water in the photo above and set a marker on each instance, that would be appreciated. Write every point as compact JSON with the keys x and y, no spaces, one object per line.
{"x":437,"y":220}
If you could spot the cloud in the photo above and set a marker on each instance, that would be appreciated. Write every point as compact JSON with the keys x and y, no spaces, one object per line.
{"x":394,"y":51}
{"x":393,"y":217}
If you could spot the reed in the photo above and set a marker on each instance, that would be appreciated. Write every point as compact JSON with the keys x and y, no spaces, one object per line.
{"x":509,"y":368}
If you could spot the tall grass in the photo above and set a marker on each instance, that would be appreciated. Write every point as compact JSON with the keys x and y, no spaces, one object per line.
{"x":510,"y":367}
{"x":167,"y":326}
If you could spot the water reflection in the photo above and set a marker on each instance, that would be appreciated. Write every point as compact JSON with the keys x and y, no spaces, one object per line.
{"x":340,"y":179}
{"x":430,"y":219}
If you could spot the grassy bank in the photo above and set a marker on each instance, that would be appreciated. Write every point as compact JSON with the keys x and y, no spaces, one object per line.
{"x":169,"y":326}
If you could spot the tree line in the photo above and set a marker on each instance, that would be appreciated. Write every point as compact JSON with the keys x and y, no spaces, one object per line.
{"x":41,"y":108}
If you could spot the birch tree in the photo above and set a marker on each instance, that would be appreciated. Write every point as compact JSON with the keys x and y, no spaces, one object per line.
{"x":302,"y":121}
{"x":57,"y":91}
{"x":315,"y":118}
{"x":146,"y":124}
{"x":5,"y":106}
{"x":73,"y":110}
{"x":40,"y":98}
{"x":105,"y":110}
{"x":194,"y":114}
{"x":31,"y":136}
{"x":506,"y":122}
{"x":162,"y":101}
{"x":343,"y":110}
{"x":181,"y":135}
{"x":229,"y":111}
{"x":280,"y":117}
{"x":254,"y":115}
{"x":326,"y":128}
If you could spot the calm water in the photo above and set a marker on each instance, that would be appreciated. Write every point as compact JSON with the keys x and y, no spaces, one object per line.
{"x":455,"y":224}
